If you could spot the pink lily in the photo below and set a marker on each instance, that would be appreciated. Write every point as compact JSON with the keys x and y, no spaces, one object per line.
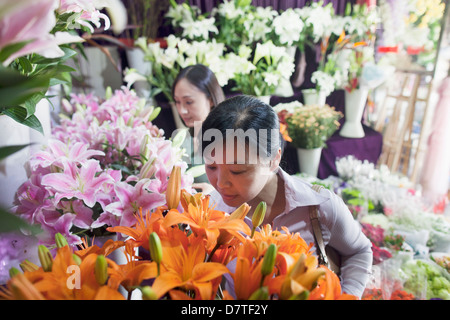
{"x":30,"y":198}
{"x":75,"y":182}
{"x":32,"y":21}
{"x":131,"y":198}
{"x":57,"y":151}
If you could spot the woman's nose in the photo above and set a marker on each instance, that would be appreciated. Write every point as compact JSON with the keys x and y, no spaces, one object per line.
{"x":182,"y":109}
{"x":222,"y":179}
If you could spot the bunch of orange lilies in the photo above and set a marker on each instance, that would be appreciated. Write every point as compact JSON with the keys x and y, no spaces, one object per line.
{"x":190,"y":252}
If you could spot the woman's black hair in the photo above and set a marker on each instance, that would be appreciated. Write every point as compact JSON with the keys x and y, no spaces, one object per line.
{"x":204,"y":79}
{"x":245,"y":113}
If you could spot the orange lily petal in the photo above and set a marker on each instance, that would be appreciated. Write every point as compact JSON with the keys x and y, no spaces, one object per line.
{"x":165,"y":282}
{"x":107,"y":293}
{"x":208,"y":271}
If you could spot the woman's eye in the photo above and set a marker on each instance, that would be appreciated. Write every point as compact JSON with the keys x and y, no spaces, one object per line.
{"x":237,"y":172}
{"x":210,"y":167}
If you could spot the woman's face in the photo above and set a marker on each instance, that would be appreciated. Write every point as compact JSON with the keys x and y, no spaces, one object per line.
{"x":238,"y":183}
{"x":192,"y":104}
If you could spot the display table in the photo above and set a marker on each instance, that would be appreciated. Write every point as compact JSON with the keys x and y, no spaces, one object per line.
{"x":366,"y":148}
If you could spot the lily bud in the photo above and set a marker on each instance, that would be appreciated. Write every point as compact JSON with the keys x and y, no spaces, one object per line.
{"x":13,"y":272}
{"x":269,"y":260}
{"x":258,"y":216}
{"x":27,"y":265}
{"x":261,"y":293}
{"x":108,"y":92}
{"x":173,"y":192}
{"x":60,"y":240}
{"x":155,"y":247}
{"x":101,"y":270}
{"x":309,"y":279}
{"x":148,"y":169}
{"x":154,"y":114}
{"x":143,"y":149}
{"x":76,"y":258}
{"x":299,"y":266}
{"x":45,"y":257}
{"x":301,"y":296}
{"x":148,"y":293}
{"x":240,"y":212}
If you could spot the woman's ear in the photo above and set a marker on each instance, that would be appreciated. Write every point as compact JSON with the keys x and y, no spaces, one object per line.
{"x":275,"y":163}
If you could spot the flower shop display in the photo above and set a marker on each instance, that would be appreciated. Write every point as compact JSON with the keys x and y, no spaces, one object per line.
{"x":103,"y":162}
{"x":189,"y":250}
{"x":308,"y":128}
{"x":410,"y":238}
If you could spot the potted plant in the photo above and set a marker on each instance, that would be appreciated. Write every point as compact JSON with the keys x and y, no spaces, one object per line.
{"x":308,"y":128}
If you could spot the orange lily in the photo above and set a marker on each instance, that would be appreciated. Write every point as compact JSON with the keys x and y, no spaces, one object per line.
{"x":247,"y":276}
{"x":140,"y":232}
{"x":204,"y":220}
{"x":131,"y":274}
{"x":329,"y":288}
{"x":53,"y":285}
{"x":20,"y":288}
{"x":183,"y":267}
{"x":108,"y":247}
{"x":286,"y":241}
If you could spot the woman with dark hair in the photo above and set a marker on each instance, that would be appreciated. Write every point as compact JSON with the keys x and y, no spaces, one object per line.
{"x":240,"y":128}
{"x":196,"y":91}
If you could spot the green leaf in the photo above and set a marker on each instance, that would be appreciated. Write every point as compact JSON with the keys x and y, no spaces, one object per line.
{"x":9,"y":150}
{"x":25,"y":64}
{"x":12,"y":48}
{"x":30,"y":104}
{"x":19,"y":114}
{"x":16,"y":88}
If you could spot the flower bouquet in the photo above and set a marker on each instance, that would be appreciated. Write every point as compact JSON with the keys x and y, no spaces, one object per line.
{"x":189,"y":250}
{"x":266,"y":67}
{"x":310,"y":127}
{"x":179,"y":53}
{"x":243,"y":34}
{"x":101,"y":164}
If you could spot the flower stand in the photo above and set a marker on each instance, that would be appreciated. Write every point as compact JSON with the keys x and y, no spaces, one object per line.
{"x":355,"y":103}
{"x":313,"y":97}
{"x":309,"y":160}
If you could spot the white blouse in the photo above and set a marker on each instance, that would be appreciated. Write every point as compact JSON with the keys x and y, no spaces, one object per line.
{"x":340,"y":230}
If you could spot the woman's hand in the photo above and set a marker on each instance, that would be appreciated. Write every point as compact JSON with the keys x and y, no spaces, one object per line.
{"x":203,"y":187}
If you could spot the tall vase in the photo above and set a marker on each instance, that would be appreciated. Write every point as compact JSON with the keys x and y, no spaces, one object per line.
{"x":309,"y":160}
{"x":135,"y":57}
{"x":98,"y":72}
{"x":355,"y":102}
{"x":313,"y":97}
